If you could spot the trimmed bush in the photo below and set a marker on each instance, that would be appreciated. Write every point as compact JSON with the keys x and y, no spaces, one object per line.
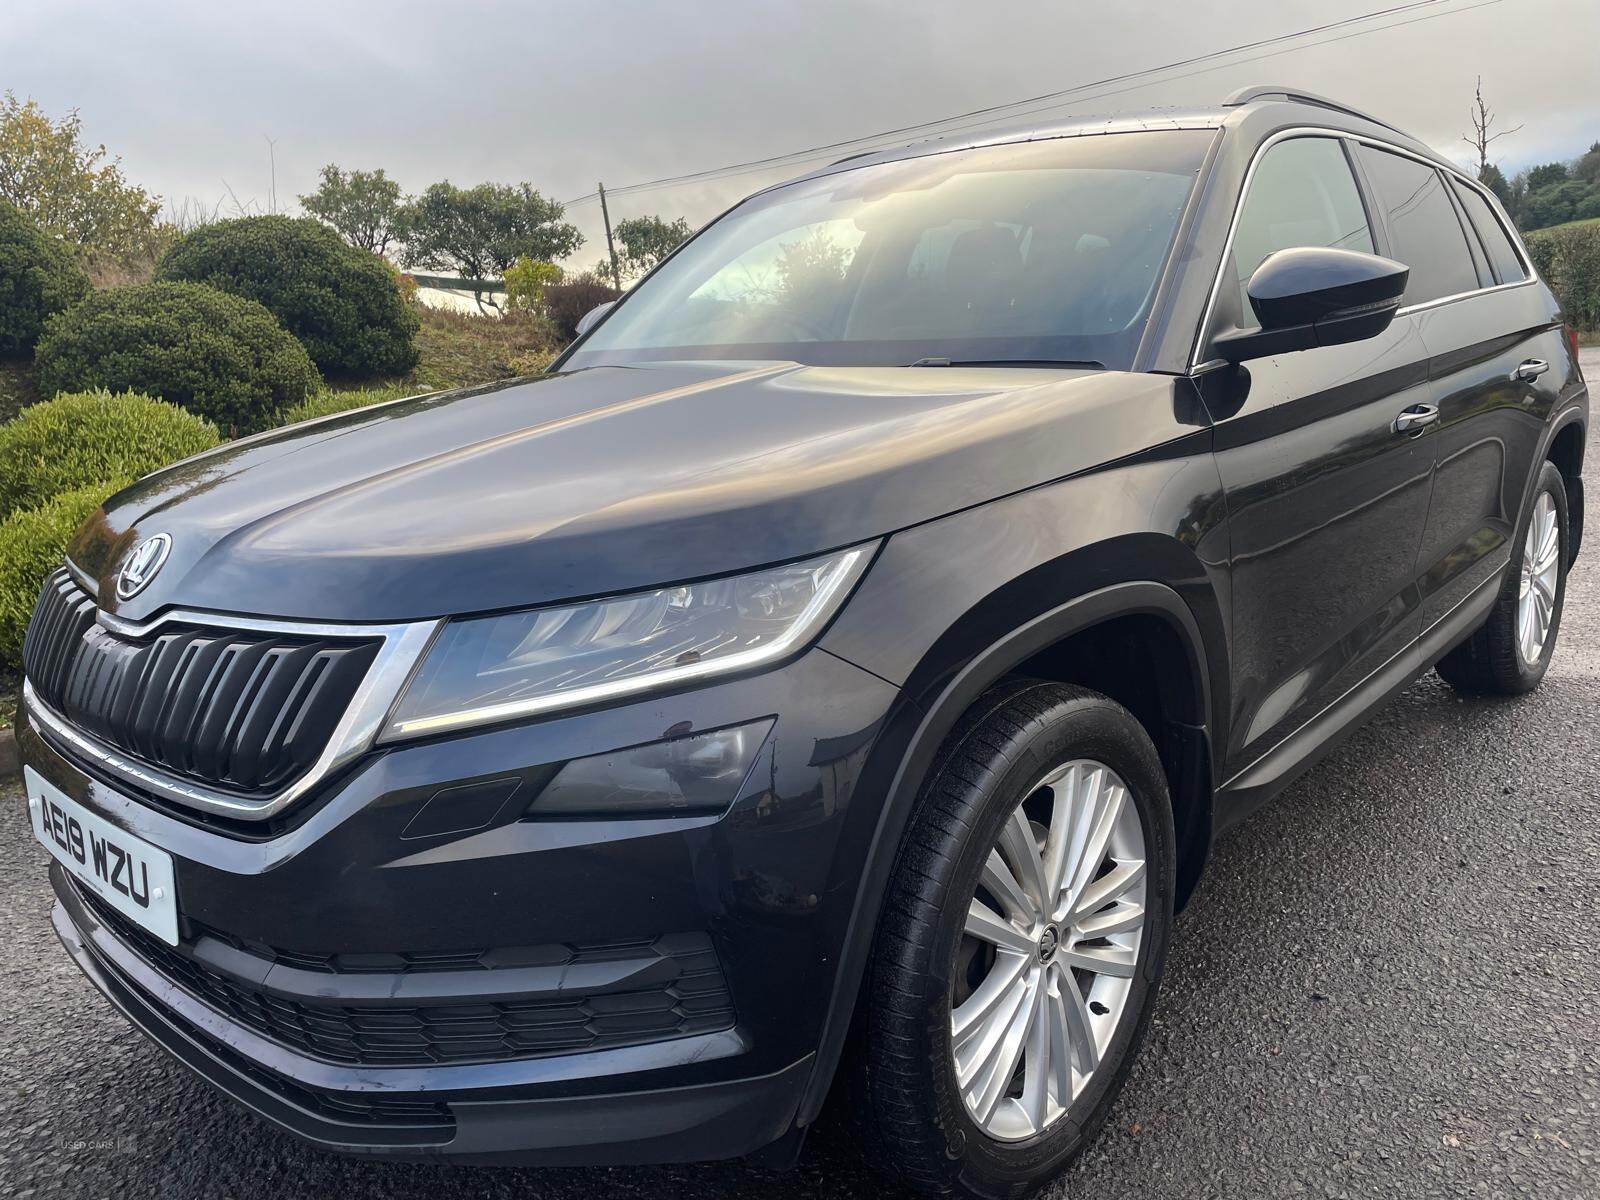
{"x":344,"y":304}
{"x":567,"y":303}
{"x":327,"y":403}
{"x":1542,"y":249}
{"x":1569,"y":260}
{"x":39,"y":276}
{"x":221,"y":357}
{"x":32,"y":543}
{"x":79,"y":438}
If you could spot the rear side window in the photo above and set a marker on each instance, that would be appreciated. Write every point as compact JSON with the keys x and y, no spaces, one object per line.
{"x":1423,"y":226}
{"x":1502,"y":254}
{"x":1302,"y":194}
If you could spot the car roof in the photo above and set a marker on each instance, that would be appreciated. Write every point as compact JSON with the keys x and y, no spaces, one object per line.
{"x":1254,"y":112}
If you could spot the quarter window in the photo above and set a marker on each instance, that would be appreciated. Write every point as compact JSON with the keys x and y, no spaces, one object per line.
{"x":1301,"y":194}
{"x":1502,"y":254}
{"x":1423,"y":226}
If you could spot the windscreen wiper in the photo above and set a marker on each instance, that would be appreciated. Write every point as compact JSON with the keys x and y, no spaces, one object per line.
{"x":1088,"y":363}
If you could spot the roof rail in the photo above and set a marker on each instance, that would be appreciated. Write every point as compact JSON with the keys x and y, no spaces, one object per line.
{"x":1272,"y":91}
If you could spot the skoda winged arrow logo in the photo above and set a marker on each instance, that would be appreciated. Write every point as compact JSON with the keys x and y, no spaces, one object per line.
{"x":142,"y":565}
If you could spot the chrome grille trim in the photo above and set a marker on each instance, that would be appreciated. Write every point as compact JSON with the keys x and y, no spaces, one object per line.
{"x":400,"y":646}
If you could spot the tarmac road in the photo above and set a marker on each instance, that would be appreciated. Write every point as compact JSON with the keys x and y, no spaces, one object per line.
{"x":1389,"y":985}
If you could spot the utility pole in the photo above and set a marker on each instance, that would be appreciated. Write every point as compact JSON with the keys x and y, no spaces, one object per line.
{"x":611,"y":248}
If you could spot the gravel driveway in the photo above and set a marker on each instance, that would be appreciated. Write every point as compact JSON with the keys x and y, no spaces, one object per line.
{"x":1389,"y":985}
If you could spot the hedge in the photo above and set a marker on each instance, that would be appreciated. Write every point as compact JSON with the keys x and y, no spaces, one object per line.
{"x":568,"y":303}
{"x":39,"y":277}
{"x":32,"y":543}
{"x":343,"y":303}
{"x":221,"y":357}
{"x":1569,"y":260}
{"x":82,"y":437}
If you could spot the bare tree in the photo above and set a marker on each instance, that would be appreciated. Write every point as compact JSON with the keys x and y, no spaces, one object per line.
{"x":272,"y":167}
{"x":1482,"y":122}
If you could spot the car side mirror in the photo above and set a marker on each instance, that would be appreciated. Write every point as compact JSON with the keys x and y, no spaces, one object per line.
{"x":1316,"y":296}
{"x":587,"y":321}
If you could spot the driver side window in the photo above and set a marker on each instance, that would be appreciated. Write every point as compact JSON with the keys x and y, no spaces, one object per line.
{"x":1302,"y":194}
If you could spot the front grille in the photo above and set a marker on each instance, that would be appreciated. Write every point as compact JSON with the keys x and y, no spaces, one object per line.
{"x":246,"y":711}
{"x":693,"y":1000}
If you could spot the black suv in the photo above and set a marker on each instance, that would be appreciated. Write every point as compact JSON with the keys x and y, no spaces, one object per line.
{"x":838,"y":666}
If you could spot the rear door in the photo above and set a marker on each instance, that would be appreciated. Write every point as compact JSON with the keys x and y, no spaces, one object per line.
{"x":1491,"y":346}
{"x":1326,"y":502}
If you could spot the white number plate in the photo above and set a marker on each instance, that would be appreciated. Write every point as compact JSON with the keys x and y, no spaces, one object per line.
{"x":132,"y":876}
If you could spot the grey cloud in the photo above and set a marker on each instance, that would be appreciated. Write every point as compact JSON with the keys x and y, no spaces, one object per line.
{"x":567,"y":94}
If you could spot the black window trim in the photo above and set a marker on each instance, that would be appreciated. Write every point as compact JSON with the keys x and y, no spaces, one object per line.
{"x":1202,"y":339}
{"x":1488,"y":197}
{"x":1482,"y":264}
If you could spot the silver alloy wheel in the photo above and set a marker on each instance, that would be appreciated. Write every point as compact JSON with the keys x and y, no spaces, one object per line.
{"x":1050,"y":949}
{"x":1536,"y":593}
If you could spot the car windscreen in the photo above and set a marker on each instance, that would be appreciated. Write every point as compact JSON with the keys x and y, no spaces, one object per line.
{"x":1040,"y":251}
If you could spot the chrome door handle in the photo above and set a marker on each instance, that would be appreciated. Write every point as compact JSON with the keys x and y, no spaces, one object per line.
{"x":1528,"y":371}
{"x":1416,"y":418}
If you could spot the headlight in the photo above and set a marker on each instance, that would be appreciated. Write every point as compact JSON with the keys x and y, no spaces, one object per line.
{"x":485,"y":669}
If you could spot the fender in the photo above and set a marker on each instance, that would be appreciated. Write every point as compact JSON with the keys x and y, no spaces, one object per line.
{"x":1574,"y":410}
{"x":919,"y":726}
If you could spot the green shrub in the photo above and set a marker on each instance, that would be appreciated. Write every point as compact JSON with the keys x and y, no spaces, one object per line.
{"x":81,"y":437}
{"x":534,"y":362}
{"x":221,"y":357}
{"x":344,"y":304}
{"x":16,"y":388}
{"x":462,"y":349}
{"x":326,"y":403}
{"x":1569,"y":260}
{"x":526,"y":280}
{"x":39,"y":276}
{"x":1542,"y":249}
{"x":32,"y":543}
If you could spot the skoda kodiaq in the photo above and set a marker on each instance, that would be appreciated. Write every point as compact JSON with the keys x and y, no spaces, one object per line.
{"x":837,"y":666}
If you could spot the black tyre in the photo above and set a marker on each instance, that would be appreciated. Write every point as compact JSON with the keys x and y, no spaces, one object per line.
{"x":1510,"y":652}
{"x":1040,"y":785}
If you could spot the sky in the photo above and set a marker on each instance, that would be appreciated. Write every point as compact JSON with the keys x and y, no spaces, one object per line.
{"x":191,"y":92}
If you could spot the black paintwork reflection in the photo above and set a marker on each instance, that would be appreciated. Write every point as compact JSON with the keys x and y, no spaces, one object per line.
{"x":603,"y":481}
{"x":1326,"y":505}
{"x":346,"y":881}
{"x":1488,"y":434}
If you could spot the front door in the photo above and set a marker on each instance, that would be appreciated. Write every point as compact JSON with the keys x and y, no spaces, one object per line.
{"x":1326,"y":500}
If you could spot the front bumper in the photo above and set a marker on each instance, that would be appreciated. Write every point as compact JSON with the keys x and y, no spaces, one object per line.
{"x":301,"y":950}
{"x":340,"y":1110}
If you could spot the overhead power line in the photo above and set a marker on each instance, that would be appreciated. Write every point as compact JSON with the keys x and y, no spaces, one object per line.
{"x":1058,"y":99}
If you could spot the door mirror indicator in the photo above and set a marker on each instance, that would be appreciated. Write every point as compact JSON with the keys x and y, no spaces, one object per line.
{"x":1316,"y":296}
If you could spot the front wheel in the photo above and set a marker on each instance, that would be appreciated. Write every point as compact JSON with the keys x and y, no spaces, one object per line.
{"x":1024,"y":933}
{"x":1511,"y":652}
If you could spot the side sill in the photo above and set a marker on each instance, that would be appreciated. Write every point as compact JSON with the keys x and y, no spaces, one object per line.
{"x":1277,"y":768}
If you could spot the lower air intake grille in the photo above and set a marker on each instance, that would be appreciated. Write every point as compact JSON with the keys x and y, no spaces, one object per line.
{"x":688,"y":995}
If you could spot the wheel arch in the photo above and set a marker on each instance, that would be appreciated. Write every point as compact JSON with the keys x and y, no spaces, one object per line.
{"x":1565,"y":449}
{"x":937,"y":695}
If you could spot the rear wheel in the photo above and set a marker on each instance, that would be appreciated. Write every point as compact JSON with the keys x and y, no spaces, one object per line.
{"x":1024,"y":933}
{"x":1511,"y":652}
